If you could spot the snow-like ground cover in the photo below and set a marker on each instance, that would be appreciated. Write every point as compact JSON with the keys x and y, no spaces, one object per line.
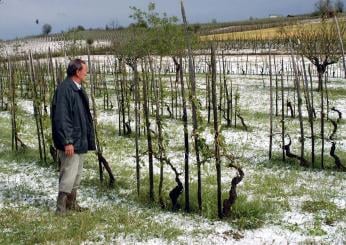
{"x":292,"y":190}
{"x":27,"y":184}
{"x":236,"y":61}
{"x":42,"y":45}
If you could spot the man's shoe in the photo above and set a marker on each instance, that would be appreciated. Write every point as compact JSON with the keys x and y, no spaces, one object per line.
{"x":61,"y":203}
{"x":72,"y":204}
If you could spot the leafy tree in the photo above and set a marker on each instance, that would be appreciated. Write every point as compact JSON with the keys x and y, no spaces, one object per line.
{"x":46,"y":29}
{"x":162,"y":34}
{"x":150,"y":34}
{"x":77,"y":29}
{"x":80,"y":28}
{"x":339,"y":6}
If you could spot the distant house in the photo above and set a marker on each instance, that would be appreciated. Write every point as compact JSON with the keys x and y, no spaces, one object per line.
{"x":272,"y":16}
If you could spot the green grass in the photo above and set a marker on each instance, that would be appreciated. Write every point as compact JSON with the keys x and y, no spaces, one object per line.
{"x":245,"y":214}
{"x":316,"y":206}
{"x":19,"y":190}
{"x":5,"y":132}
{"x":22,"y":155}
{"x":324,"y":210}
{"x":329,"y":162}
{"x":317,"y":230}
{"x":252,"y":214}
{"x":336,"y":93}
{"x":27,"y":226}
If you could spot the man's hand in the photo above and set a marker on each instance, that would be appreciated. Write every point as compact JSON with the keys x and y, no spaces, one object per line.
{"x":69,"y":150}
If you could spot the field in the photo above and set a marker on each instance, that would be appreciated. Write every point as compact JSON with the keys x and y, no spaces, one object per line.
{"x":214,"y":134}
{"x":279,"y":202}
{"x":271,"y":33}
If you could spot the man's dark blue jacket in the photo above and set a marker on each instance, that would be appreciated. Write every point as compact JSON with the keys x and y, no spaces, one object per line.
{"x":71,"y":118}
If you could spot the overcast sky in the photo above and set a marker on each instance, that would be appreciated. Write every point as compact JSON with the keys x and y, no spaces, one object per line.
{"x":17,"y":17}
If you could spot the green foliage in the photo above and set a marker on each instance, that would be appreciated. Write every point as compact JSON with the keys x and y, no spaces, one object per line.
{"x":204,"y":149}
{"x":151,"y":34}
{"x":46,"y":29}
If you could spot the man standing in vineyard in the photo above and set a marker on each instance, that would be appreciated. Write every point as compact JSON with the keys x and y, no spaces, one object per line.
{"x":73,"y":134}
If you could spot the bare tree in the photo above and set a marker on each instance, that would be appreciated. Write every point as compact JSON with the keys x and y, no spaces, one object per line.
{"x":341,"y":43}
{"x":324,"y":7}
{"x":320,"y":44}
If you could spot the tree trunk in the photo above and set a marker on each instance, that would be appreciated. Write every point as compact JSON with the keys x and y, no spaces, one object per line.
{"x":216,"y":129}
{"x":311,"y":92}
{"x":320,"y":82}
{"x":101,"y":160}
{"x":137,"y":125}
{"x":276,"y":89}
{"x":35,"y":102}
{"x":341,"y":45}
{"x":192,"y":79}
{"x":186,"y":140}
{"x":2,"y":92}
{"x":326,"y":93}
{"x":282,"y":111}
{"x":299,"y":97}
{"x":13,"y":106}
{"x":226,"y":93}
{"x":271,"y":106}
{"x":310,"y":114}
{"x":149,"y":140}
{"x":160,"y":138}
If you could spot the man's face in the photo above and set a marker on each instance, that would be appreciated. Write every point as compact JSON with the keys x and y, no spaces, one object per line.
{"x":81,"y":74}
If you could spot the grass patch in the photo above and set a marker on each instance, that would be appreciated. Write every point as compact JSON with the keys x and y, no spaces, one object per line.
{"x":250,"y":214}
{"x":317,"y":230}
{"x":293,"y":164}
{"x":22,"y":193}
{"x":324,"y":210}
{"x":262,"y":195}
{"x":245,"y":214}
{"x":316,"y":206}
{"x":336,"y":93}
{"x":22,"y":155}
{"x":20,"y":190}
{"x":17,"y":226}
